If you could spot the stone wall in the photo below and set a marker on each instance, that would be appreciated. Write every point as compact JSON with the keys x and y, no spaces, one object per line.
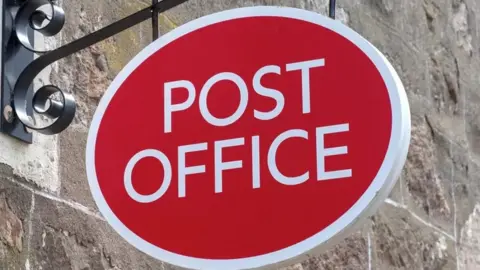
{"x":48,"y":219}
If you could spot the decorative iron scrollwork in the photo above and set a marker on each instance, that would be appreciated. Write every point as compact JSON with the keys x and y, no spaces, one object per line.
{"x":30,"y":16}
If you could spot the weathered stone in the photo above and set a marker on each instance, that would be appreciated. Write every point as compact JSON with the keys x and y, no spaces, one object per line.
{"x":15,"y":206}
{"x":466,"y":180}
{"x":75,"y":186}
{"x":447,"y":69}
{"x":37,"y":164}
{"x":67,"y":238}
{"x":297,"y":266}
{"x":101,"y":62}
{"x":474,"y":133}
{"x":399,"y":40}
{"x":469,"y":246}
{"x":428,"y":175}
{"x":472,"y":117}
{"x":461,"y":27}
{"x":11,"y":227}
{"x":448,"y":97}
{"x":197,"y":8}
{"x":351,"y":253}
{"x":131,"y":41}
{"x":399,"y":241}
{"x":165,"y":24}
{"x":385,"y":6}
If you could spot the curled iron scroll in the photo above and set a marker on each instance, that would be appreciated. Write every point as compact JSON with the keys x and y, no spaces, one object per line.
{"x":29,"y":17}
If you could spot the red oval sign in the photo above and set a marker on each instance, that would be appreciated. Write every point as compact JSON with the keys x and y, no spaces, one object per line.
{"x":246,"y":138}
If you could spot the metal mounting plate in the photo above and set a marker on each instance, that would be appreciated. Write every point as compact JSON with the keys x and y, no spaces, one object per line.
{"x":14,"y":58}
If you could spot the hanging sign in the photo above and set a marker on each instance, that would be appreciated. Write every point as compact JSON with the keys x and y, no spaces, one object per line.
{"x":247,"y":139}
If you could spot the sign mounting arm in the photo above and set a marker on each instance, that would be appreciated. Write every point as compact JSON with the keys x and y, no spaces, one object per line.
{"x":331,"y":8}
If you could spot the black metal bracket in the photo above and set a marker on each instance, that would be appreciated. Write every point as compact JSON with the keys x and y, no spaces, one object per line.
{"x":19,"y":68}
{"x":19,"y":102}
{"x":331,"y":8}
{"x":14,"y":58}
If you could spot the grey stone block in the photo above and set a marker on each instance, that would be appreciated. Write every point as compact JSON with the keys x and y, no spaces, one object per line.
{"x":67,"y":238}
{"x":427,"y":175}
{"x":72,"y":144}
{"x":15,"y":206}
{"x":399,"y":241}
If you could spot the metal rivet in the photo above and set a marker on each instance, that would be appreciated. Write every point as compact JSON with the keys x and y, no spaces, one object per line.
{"x":8,"y":113}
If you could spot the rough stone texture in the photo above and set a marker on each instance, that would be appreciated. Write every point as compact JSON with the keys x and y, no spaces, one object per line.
{"x":467,"y":192}
{"x":431,"y":220}
{"x":472,"y":110}
{"x":72,"y":145}
{"x":67,"y":238}
{"x":428,"y":175}
{"x":470,"y":242}
{"x":401,"y":242}
{"x":352,"y":253}
{"x":15,"y":206}
{"x":11,"y":227}
{"x":38,"y":163}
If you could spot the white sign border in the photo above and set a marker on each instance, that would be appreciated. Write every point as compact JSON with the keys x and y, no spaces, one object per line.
{"x":377,"y":192}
